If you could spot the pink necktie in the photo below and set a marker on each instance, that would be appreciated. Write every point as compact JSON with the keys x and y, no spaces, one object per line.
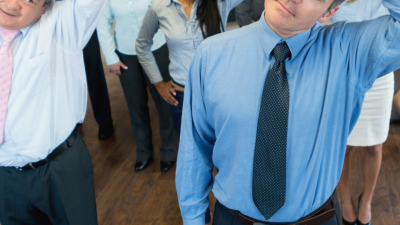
{"x":6,"y":69}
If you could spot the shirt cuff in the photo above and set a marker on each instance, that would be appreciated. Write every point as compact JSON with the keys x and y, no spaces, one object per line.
{"x":200,"y":220}
{"x":111,"y":59}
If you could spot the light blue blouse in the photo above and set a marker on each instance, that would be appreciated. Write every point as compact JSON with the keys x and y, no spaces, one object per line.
{"x":128,"y":15}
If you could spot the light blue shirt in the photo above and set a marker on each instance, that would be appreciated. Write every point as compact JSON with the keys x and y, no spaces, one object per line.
{"x":128,"y":15}
{"x":183,"y":36}
{"x":48,"y":94}
{"x":329,"y":72}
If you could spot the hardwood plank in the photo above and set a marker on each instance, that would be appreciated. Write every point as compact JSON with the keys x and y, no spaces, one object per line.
{"x":391,"y":168}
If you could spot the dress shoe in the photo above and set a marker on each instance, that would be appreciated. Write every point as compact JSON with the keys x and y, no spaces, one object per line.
{"x":359,"y":222}
{"x":105,"y":132}
{"x":141,"y":165}
{"x":165,"y":166}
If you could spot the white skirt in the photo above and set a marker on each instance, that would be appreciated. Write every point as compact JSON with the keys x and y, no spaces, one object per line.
{"x":373,"y":125}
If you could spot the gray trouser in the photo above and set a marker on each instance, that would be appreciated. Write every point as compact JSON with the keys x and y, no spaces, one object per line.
{"x":58,"y":192}
{"x":134,"y":84}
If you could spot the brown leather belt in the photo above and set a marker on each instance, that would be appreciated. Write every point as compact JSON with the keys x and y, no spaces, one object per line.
{"x":325,"y":213}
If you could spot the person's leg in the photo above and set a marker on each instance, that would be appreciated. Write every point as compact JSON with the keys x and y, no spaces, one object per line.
{"x":15,"y":206}
{"x":396,"y":101}
{"x":347,"y":206}
{"x":97,"y":87}
{"x":64,"y":187}
{"x":372,"y":165}
{"x":168,"y":135}
{"x":135,"y":90}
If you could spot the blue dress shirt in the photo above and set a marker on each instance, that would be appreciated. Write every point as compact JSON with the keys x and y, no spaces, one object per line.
{"x":128,"y":15}
{"x":329,"y":72}
{"x":183,"y":36}
{"x":48,"y":94}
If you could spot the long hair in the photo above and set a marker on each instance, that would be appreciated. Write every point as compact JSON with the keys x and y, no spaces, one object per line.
{"x":208,"y":16}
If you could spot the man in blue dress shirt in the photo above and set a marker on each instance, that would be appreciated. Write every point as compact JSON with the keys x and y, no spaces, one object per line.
{"x":271,"y":106}
{"x":46,"y":175}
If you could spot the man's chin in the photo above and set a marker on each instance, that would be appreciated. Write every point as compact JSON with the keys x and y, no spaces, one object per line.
{"x":8,"y":26}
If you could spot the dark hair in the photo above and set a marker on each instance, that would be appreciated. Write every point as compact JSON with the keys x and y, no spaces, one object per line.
{"x":209,"y":18}
{"x":336,"y":3}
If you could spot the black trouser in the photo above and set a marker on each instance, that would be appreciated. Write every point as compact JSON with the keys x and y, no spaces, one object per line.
{"x":134,"y":84}
{"x":59,"y":192}
{"x":96,"y":80}
{"x":223,"y":217}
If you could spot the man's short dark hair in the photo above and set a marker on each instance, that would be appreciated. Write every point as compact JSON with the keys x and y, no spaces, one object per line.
{"x":47,"y":2}
{"x":334,"y":4}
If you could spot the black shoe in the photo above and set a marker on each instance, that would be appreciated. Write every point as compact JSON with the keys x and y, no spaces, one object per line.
{"x":141,"y":165}
{"x":165,"y":166}
{"x":345,"y":222}
{"x":105,"y":132}
{"x":359,"y":222}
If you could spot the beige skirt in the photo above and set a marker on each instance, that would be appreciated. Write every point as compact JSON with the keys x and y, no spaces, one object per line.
{"x":373,"y":125}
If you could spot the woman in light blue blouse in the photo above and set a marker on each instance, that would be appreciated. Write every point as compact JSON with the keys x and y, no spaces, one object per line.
{"x":120,"y":55}
{"x":372,"y":127}
{"x":186,"y":24}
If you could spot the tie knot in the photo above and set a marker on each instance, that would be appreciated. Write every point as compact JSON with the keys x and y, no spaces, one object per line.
{"x":8,"y":35}
{"x":281,"y":52}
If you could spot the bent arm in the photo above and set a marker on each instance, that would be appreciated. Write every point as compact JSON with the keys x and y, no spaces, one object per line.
{"x":144,"y":42}
{"x":372,"y":48}
{"x":76,"y":21}
{"x":106,"y":36}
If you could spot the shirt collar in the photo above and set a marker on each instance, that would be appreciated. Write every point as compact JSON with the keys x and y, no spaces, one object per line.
{"x":170,"y":2}
{"x":269,"y":39}
{"x":24,"y":31}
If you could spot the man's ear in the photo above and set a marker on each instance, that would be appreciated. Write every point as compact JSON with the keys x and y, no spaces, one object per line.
{"x":328,"y":15}
{"x":44,"y":8}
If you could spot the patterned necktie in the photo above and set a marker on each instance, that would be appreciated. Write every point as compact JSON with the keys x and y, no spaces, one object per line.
{"x":269,"y":169}
{"x":6,"y":69}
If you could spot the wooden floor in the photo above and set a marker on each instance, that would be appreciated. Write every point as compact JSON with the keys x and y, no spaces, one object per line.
{"x":149,"y":197}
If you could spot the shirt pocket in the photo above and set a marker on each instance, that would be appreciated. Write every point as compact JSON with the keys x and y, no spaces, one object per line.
{"x":34,"y":75}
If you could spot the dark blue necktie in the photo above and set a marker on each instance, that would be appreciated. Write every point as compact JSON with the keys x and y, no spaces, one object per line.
{"x":269,"y":169}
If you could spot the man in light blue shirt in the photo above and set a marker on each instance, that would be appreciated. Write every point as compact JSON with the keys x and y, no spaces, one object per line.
{"x":45,"y":169}
{"x":329,"y":69}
